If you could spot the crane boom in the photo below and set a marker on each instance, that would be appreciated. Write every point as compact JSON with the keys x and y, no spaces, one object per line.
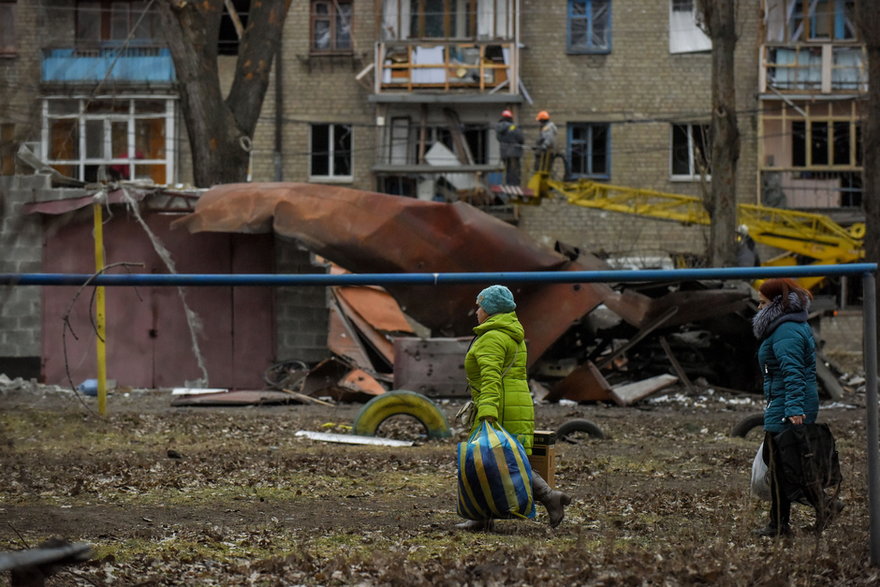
{"x":799,"y":234}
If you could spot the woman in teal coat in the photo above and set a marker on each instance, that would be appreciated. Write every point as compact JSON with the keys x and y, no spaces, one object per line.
{"x":787,"y":358}
{"x":496,"y":370}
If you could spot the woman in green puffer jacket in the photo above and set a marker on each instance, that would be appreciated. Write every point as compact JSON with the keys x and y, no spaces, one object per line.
{"x":496,"y":370}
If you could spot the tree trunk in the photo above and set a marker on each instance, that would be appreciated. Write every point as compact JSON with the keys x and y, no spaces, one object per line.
{"x":869,"y":27}
{"x":220,"y":131}
{"x":719,"y":19}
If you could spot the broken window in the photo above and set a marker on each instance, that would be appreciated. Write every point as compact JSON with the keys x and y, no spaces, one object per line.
{"x":8,"y":40}
{"x":331,"y":26}
{"x":825,"y":143}
{"x":588,"y":149}
{"x":447,"y":19}
{"x":231,"y":25}
{"x":789,"y":21}
{"x":330,"y":152}
{"x":101,"y":22}
{"x":685,"y":35}
{"x":691,"y":150}
{"x":589,"y":26}
{"x":129,"y":138}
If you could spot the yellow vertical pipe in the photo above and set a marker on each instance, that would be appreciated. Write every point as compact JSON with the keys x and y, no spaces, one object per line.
{"x":100,"y":316}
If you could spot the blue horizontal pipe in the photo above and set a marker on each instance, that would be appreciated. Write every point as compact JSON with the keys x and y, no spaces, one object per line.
{"x":265,"y":279}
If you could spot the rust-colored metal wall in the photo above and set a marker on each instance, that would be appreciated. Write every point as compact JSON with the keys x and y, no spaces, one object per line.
{"x":148,"y":340}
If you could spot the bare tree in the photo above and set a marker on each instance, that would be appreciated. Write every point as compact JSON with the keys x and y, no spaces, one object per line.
{"x":719,"y":21}
{"x":868,"y":17}
{"x":220,"y":130}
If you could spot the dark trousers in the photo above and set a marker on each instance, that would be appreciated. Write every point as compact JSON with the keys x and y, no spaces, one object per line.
{"x":512,"y":170}
{"x":780,"y":505}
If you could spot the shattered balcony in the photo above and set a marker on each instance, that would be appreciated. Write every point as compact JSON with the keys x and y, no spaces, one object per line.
{"x":482,"y":67}
{"x":826,"y":68}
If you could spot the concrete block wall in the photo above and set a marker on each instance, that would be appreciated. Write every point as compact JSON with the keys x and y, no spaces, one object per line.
{"x":301,"y":315}
{"x":21,"y":240}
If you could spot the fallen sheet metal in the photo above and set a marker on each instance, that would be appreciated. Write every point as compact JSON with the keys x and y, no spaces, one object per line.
{"x":625,"y":395}
{"x":431,"y":366}
{"x":584,"y":383}
{"x":368,"y":232}
{"x":342,"y":338}
{"x":352,"y":439}
{"x":235,"y":398}
{"x":692,"y":305}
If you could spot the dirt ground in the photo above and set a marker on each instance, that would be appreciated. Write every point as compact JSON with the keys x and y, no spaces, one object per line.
{"x":230,"y":496}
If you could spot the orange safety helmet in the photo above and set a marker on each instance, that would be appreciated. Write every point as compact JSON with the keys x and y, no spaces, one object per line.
{"x":543,"y":115}
{"x":506,"y":114}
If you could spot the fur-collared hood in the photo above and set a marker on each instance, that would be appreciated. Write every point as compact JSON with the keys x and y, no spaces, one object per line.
{"x":774,"y":314}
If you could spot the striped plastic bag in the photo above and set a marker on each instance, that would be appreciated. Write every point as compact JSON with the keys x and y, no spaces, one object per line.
{"x":494,"y":476}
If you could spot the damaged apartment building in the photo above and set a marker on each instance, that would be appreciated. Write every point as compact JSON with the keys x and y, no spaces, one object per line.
{"x":401,"y":97}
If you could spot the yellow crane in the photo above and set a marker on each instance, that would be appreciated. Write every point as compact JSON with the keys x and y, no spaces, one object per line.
{"x":806,"y":238}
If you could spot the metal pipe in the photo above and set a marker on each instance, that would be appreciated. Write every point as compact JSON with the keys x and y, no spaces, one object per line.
{"x":271,"y":279}
{"x":869,"y":314}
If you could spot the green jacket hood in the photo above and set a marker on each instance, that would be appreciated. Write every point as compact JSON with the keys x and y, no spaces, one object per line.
{"x":507,"y":323}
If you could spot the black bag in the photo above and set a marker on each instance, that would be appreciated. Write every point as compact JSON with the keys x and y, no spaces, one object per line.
{"x":808,"y":461}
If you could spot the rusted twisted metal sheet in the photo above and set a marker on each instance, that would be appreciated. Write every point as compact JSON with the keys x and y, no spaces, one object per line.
{"x":367,"y":232}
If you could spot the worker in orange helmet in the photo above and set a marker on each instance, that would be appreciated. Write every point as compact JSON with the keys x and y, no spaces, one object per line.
{"x":510,"y":139}
{"x":545,"y":147}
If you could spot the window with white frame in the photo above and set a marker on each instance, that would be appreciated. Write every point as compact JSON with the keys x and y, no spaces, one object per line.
{"x":691,"y":151}
{"x":685,"y":35}
{"x":330,"y":153}
{"x":588,"y":149}
{"x":589,"y":26}
{"x":131,"y":138}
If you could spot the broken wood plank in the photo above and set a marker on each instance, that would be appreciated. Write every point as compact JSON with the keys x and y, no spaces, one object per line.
{"x":828,"y":379}
{"x":676,"y":366}
{"x":624,"y":395}
{"x":307,"y":398}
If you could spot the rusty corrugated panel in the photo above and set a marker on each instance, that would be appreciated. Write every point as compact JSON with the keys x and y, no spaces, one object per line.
{"x":342,"y":340}
{"x":70,"y":204}
{"x":377,"y":340}
{"x":376,"y":307}
{"x":367,"y":232}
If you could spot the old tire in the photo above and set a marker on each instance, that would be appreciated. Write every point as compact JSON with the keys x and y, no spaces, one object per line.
{"x":745,"y":425}
{"x":566,"y":432}
{"x":401,"y":403}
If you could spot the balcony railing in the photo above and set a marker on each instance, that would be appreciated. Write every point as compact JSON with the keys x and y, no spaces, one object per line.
{"x":412,"y":65}
{"x":108,"y":64}
{"x":825,"y":68}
